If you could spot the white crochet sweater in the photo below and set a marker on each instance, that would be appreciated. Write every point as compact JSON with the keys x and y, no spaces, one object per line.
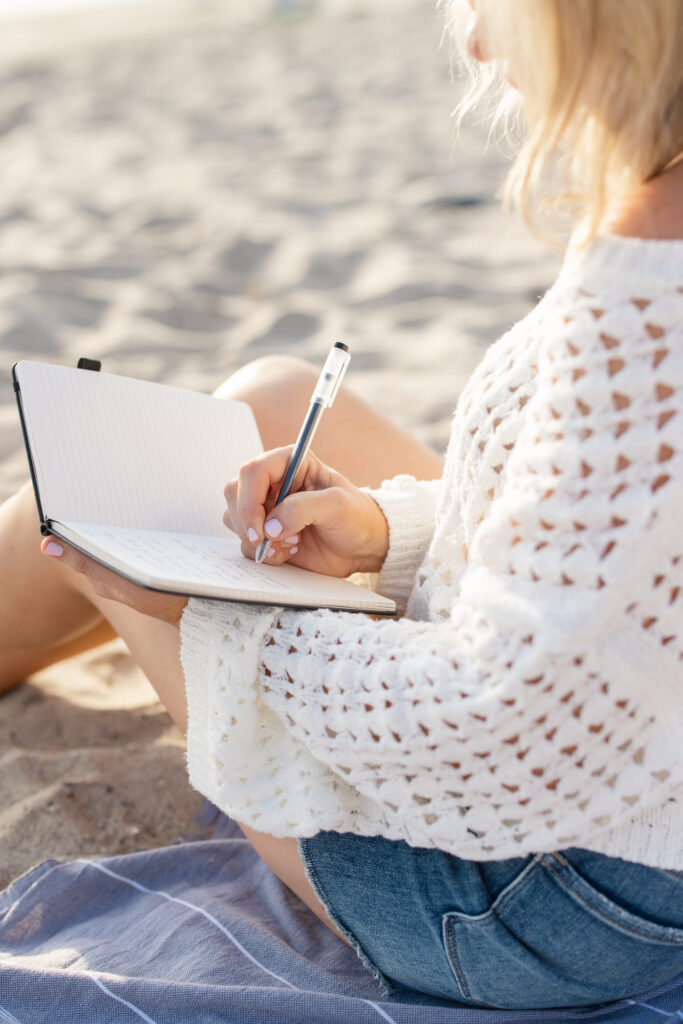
{"x":531,"y":698}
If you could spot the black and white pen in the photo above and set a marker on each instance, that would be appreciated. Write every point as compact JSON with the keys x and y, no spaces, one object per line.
{"x":324,"y":395}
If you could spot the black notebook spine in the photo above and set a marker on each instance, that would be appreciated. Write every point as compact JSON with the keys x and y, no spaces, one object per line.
{"x":44,"y":527}
{"x":83,"y":364}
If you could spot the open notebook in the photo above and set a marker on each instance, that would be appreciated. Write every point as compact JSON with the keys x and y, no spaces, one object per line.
{"x":132,"y":474}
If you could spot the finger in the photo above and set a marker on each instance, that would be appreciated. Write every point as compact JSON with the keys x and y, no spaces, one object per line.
{"x":103,"y":581}
{"x":68,"y":556}
{"x":232,"y":524}
{"x":249,"y":550}
{"x":325,"y":509}
{"x":256,"y":482}
{"x":277,"y":554}
{"x":112,"y":587}
{"x":231,"y":520}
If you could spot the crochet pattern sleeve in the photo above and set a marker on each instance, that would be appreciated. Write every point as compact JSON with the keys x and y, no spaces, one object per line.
{"x":530,"y":713}
{"x":409,"y":507}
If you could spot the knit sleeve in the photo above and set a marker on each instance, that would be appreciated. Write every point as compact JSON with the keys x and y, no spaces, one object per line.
{"x":532,"y":713}
{"x":409,"y":507}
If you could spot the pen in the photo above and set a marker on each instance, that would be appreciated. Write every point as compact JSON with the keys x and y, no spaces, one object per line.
{"x":323,"y":396}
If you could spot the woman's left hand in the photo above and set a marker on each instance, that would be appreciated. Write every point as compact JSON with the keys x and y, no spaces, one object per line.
{"x":107,"y":584}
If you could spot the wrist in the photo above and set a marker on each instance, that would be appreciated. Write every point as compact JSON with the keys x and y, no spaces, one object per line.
{"x":377,"y":545}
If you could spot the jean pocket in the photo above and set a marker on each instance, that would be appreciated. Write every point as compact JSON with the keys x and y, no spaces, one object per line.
{"x":553,"y":939}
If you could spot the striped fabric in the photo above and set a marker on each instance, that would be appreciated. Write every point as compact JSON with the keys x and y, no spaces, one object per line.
{"x":203,"y":933}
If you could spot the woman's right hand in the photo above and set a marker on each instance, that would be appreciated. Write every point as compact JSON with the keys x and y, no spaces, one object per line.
{"x":325,"y":523}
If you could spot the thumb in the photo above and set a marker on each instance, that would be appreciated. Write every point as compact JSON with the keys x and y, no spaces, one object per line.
{"x":104,"y":581}
{"x":324,"y":509}
{"x":67,"y":555}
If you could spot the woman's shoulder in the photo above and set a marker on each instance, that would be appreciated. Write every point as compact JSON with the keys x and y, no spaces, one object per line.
{"x":639,"y":254}
{"x":613,"y":330}
{"x":619,"y":289}
{"x":624,"y":267}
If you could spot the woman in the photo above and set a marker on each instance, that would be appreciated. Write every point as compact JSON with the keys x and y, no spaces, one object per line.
{"x":487,"y":793}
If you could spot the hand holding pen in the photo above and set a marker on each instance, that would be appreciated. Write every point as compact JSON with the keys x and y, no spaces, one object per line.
{"x":323,"y":396}
{"x":318,"y":520}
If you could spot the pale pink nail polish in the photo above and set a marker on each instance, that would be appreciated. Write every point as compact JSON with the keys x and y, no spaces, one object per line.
{"x":292,"y":540}
{"x":293,"y":550}
{"x":270,"y":552}
{"x":274,"y":527}
{"x":252,"y":534}
{"x":53,"y":549}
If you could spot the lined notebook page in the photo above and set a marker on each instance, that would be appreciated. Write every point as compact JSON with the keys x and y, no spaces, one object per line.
{"x":214,"y":567}
{"x":121,"y":452}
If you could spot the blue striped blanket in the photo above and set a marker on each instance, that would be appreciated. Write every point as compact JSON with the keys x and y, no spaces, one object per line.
{"x":204,"y":933}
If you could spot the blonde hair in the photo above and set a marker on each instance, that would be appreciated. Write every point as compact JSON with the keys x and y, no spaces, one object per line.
{"x":601,"y":84}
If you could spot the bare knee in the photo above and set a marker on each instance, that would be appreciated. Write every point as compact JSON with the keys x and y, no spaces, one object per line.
{"x":278,"y":389}
{"x":265,"y":374}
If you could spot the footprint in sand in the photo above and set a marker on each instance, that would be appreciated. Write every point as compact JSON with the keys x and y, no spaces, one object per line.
{"x":411,"y":293}
{"x":331,"y":270}
{"x":184,"y":319}
{"x":245,"y":257}
{"x":58,"y":307}
{"x":104,"y":272}
{"x":288,"y":330}
{"x":30,"y":337}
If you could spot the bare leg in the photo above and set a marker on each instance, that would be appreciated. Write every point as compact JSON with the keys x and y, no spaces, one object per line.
{"x":352,"y":437}
{"x":49,"y":612}
{"x":42,"y":620}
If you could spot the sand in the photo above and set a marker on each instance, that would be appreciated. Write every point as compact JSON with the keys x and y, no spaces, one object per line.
{"x":181,"y":193}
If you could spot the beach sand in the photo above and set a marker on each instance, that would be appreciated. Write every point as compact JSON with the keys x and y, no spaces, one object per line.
{"x":179,"y":196}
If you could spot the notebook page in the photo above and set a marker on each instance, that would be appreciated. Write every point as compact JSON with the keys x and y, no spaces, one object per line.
{"x":123,"y":452}
{"x":213,"y":566}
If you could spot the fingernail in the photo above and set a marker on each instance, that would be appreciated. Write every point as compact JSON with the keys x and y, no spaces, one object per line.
{"x":54,"y":549}
{"x":293,"y":550}
{"x":270,"y":552}
{"x":292,"y":540}
{"x":273,"y":527}
{"x":252,"y":534}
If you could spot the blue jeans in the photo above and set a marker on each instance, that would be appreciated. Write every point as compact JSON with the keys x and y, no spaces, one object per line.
{"x":571,"y":928}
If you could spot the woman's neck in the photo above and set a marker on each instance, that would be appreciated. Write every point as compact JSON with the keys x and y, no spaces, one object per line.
{"x":655,"y":210}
